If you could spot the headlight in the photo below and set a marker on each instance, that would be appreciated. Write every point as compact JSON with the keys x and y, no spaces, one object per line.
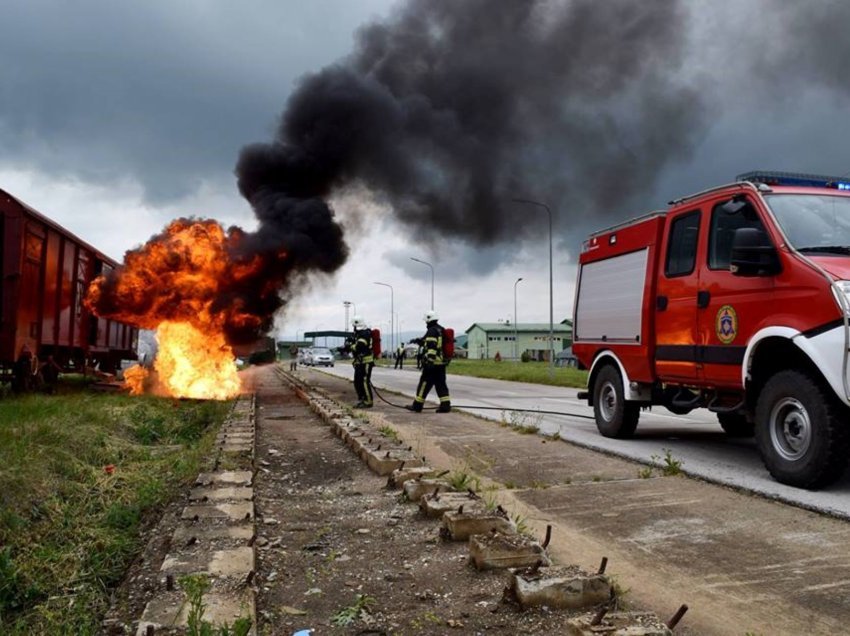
{"x":841,"y":292}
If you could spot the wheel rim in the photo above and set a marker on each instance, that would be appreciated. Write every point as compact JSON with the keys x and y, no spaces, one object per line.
{"x":608,"y":401}
{"x":790,"y":429}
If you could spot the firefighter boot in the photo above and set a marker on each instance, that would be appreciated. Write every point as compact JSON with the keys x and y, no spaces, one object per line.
{"x":416,"y":407}
{"x":445,"y":407}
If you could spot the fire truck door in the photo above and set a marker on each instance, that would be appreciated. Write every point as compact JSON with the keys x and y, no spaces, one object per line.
{"x":676,"y":297}
{"x":731,"y":307}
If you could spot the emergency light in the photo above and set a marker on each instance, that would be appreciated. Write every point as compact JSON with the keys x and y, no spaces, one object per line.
{"x":795,"y":179}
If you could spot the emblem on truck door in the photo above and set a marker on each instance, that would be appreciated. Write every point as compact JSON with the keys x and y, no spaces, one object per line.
{"x":726,"y":324}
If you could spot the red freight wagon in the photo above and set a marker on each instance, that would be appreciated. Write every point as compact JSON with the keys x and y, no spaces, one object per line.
{"x":46,"y":271}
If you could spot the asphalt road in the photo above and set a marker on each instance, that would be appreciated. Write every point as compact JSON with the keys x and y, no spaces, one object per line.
{"x":695,"y":439}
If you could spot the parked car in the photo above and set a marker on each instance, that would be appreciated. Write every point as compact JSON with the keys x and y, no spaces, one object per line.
{"x":305,"y":355}
{"x":322,"y":357}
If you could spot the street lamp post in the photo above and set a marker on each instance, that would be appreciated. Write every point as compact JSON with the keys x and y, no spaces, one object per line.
{"x":551,"y":305}
{"x":516,"y":351}
{"x":432,"y":277}
{"x":392,"y":313}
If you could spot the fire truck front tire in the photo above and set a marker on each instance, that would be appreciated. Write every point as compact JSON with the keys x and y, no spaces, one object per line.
{"x":615,"y":417}
{"x":802,"y":431}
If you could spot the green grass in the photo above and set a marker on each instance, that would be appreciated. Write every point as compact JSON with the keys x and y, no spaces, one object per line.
{"x":534,"y":372}
{"x":80,"y":474}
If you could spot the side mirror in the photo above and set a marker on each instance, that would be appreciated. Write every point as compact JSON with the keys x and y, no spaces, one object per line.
{"x":752,"y":254}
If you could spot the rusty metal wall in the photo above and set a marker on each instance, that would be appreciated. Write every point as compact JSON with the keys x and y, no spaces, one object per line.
{"x":45,"y":272}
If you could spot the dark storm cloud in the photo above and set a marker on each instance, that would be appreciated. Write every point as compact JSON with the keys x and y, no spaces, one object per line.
{"x":451,"y":109}
{"x":159,"y":92}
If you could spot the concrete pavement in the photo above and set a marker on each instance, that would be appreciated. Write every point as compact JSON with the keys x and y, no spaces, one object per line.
{"x":743,"y":563}
{"x":695,"y":439}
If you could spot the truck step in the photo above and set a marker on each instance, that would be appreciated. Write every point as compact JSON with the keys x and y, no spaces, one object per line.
{"x":715,"y":407}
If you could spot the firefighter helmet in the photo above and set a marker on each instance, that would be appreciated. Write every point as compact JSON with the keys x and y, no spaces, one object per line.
{"x":431,"y":315}
{"x":357,"y":322}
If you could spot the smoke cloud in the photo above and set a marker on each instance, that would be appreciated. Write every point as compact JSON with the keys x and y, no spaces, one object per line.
{"x":449,"y":110}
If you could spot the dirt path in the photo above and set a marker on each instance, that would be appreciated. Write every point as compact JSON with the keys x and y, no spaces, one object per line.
{"x":329,"y":532}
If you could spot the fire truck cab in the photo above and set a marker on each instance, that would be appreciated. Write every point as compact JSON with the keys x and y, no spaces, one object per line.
{"x":735,"y":299}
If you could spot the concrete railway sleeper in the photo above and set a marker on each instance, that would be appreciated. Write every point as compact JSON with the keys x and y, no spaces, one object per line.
{"x":534,"y":581}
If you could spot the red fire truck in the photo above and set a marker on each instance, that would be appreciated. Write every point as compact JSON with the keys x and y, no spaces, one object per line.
{"x":735,"y":299}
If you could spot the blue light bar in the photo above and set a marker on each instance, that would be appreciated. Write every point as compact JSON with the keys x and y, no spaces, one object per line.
{"x":794,"y":179}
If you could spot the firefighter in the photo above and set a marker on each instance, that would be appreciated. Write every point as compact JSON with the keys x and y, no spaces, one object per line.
{"x":360,"y":346}
{"x":433,"y":367}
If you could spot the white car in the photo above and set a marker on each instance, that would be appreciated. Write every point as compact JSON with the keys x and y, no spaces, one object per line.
{"x":321,"y":357}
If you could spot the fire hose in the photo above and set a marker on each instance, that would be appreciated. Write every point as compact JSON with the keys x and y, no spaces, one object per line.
{"x":488,"y":408}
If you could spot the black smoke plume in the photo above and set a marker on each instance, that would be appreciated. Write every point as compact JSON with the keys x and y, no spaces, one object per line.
{"x":450,"y":109}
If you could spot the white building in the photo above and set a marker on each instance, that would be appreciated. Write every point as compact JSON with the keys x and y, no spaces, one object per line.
{"x":486,"y":339}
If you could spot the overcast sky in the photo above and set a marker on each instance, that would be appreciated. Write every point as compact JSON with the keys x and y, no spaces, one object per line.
{"x":117,"y":117}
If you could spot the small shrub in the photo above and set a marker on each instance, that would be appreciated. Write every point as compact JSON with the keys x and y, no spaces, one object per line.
{"x":390,"y":432}
{"x":460,"y":479}
{"x":670,"y":467}
{"x":347,"y":615}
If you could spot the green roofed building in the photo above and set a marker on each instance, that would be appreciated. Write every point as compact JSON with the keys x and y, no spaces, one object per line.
{"x":486,"y":339}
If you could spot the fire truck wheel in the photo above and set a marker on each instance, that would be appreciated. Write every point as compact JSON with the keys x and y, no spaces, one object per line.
{"x":614,"y":416}
{"x":801,"y":431}
{"x":736,"y":425}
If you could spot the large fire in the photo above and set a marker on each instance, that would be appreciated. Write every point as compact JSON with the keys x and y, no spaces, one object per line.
{"x":181,"y":284}
{"x":189,"y":363}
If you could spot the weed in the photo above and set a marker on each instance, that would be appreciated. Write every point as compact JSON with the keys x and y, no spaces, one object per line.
{"x":645,"y":472}
{"x":390,"y":432}
{"x":196,"y":586}
{"x":555,"y":436}
{"x":521,"y":524}
{"x":461,"y":479}
{"x":539,"y":485}
{"x":618,"y":593}
{"x":597,"y":478}
{"x":669,"y":466}
{"x":347,"y":615}
{"x":510,"y":485}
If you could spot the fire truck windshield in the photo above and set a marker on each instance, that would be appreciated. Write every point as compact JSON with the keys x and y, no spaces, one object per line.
{"x":813,"y":223}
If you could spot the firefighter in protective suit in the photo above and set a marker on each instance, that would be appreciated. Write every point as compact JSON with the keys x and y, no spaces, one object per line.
{"x":360,"y":345}
{"x":433,"y":367}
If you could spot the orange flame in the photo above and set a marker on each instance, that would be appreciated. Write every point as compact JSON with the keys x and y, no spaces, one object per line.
{"x":174,"y":284}
{"x":134,"y":378}
{"x":194,"y":364}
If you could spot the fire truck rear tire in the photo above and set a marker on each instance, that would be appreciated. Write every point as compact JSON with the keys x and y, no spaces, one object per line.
{"x":802,"y":431}
{"x":615,"y":417}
